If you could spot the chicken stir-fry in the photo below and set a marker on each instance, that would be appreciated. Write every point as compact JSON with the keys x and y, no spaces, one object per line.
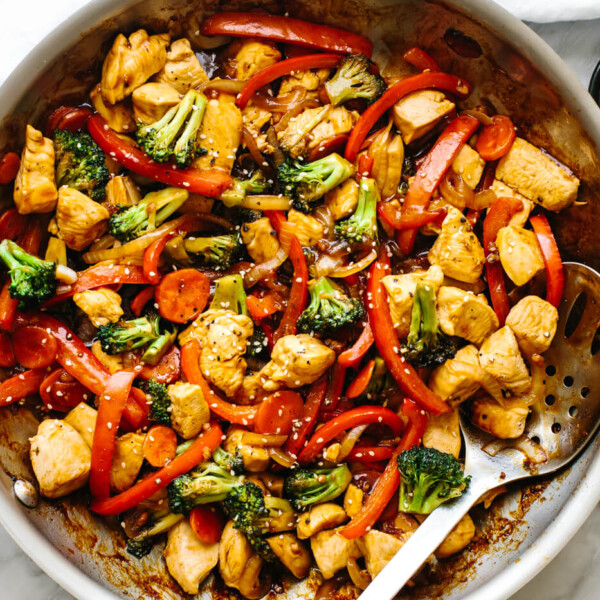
{"x":232,"y":280}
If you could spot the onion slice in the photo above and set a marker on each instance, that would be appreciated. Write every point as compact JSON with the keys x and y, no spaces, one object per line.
{"x":267,"y":202}
{"x":357,"y":266}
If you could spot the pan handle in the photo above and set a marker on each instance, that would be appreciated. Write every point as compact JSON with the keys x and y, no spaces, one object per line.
{"x":594,"y":87}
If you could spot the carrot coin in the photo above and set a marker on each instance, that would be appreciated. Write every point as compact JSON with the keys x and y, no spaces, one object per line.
{"x":34,"y":347}
{"x":182,"y":295}
{"x":160,"y":445}
{"x":277,"y":413}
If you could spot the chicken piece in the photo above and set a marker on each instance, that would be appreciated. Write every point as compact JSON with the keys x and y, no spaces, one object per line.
{"x":271,"y":484}
{"x":112,"y":362}
{"x":296,"y":360}
{"x":465,"y":315}
{"x":239,"y":565}
{"x":256,"y":458}
{"x":443,"y":433}
{"x":102,"y":305}
{"x":189,"y":559}
{"x":460,"y":537}
{"x":182,"y":69}
{"x":458,"y":378}
{"x":80,"y":220}
{"x":83,"y":419}
{"x":119,"y":116}
{"x":332,"y":551}
{"x":255,"y":119}
{"x":338,"y":121}
{"x":488,"y":498}
{"x":35,"y":185}
{"x":469,"y":165}
{"x":387,"y":151}
{"x":292,"y":553}
{"x":189,"y":409}
{"x":520,"y":253}
{"x":456,"y":250}
{"x":419,"y":112}
{"x":131,"y":62}
{"x":504,"y":422}
{"x":127,"y":461}
{"x":261,"y":239}
{"x":308,"y":230}
{"x":378,"y":548}
{"x":220,"y":134}
{"x":503,"y":191}
{"x":56,"y":251}
{"x":311,"y":81}
{"x":245,"y":57}
{"x":294,"y":138}
{"x":534,"y":322}
{"x":320,"y":517}
{"x":402,"y":526}
{"x":152,"y":100}
{"x":401,"y":290}
{"x":60,"y":458}
{"x":342,"y":200}
{"x":353,"y":500}
{"x":499,"y":355}
{"x":122,"y":191}
{"x":535,"y":175}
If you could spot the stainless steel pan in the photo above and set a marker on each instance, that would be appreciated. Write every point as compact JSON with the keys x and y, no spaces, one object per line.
{"x":512,"y":69}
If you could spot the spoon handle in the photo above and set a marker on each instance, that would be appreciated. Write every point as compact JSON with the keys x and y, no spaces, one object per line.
{"x":419,"y":547}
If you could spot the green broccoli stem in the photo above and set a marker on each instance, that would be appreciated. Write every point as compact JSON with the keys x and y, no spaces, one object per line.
{"x":305,"y":487}
{"x":230,"y":295}
{"x":361,"y":227}
{"x":16,"y":258}
{"x":159,"y":347}
{"x":185,"y":147}
{"x":235,"y":195}
{"x":141,"y":544}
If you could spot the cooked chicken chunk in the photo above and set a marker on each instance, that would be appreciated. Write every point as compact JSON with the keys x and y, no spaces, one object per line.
{"x":292,"y":553}
{"x":112,"y":362}
{"x":520,"y":253}
{"x":83,"y":419}
{"x":443,"y":433}
{"x":245,"y":57}
{"x":294,"y":138}
{"x":121,"y":191}
{"x":534,"y":322}
{"x":256,"y":458}
{"x":189,"y":409}
{"x":35,"y":186}
{"x":102,"y":305}
{"x":255,"y":119}
{"x":353,"y":500}
{"x":127,"y":461}
{"x":458,"y":378}
{"x":504,"y":191}
{"x":419,"y":112}
{"x":378,"y":548}
{"x":311,"y":81}
{"x":465,"y":315}
{"x":80,"y":220}
{"x":331,"y":551}
{"x":387,"y":151}
{"x":308,"y":230}
{"x":457,"y":251}
{"x":469,"y":165}
{"x":338,"y":121}
{"x":504,"y":422}
{"x":152,"y":100}
{"x":220,"y":134}
{"x":182,"y":69}
{"x":321,"y":516}
{"x":119,"y":116}
{"x":342,"y":200}
{"x":499,"y":355}
{"x":401,"y":290}
{"x":296,"y":360}
{"x":60,"y":458}
{"x":460,"y":537}
{"x":189,"y":559}
{"x":535,"y":175}
{"x":261,"y":239}
{"x":131,"y":62}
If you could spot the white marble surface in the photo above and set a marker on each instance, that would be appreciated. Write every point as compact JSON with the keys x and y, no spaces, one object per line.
{"x":573,"y":575}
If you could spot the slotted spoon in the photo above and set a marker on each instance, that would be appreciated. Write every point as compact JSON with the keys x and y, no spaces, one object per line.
{"x":568,"y":417}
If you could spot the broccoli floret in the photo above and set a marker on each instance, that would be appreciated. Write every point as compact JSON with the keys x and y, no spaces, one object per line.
{"x":361,"y":227}
{"x":158,"y":522}
{"x":128,"y":335}
{"x":234,"y":196}
{"x":308,"y":183}
{"x":353,"y":79}
{"x":160,"y":409}
{"x":257,"y":343}
{"x":429,"y":478}
{"x":230,"y":295}
{"x":32,"y":280}
{"x":160,"y":346}
{"x":426,"y":345}
{"x":130,"y":222}
{"x":234,"y":463}
{"x":80,"y":163}
{"x":175,"y":134}
{"x":219,"y":252}
{"x":380,"y":380}
{"x":329,"y":309}
{"x":304,"y":487}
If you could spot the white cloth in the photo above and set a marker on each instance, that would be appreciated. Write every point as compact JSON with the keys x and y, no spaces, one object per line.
{"x":548,"y":11}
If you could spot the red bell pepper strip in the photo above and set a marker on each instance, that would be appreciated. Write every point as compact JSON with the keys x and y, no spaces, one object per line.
{"x":12,"y":224}
{"x":399,"y":219}
{"x":20,"y":386}
{"x":207,"y":521}
{"x":31,"y":240}
{"x":287,"y":30}
{"x":283,"y":68}
{"x":389,"y":481}
{"x":7,"y":354}
{"x":365,"y":166}
{"x":361,"y":381}
{"x":441,"y":81}
{"x":336,"y":143}
{"x":371,"y":453}
{"x":261,"y":308}
{"x":9,"y":167}
{"x":431,"y":171}
{"x":8,"y":307}
{"x":152,"y":256}
{"x":75,"y":119}
{"x":190,"y":365}
{"x":555,"y":277}
{"x":419,"y":59}
{"x":387,"y":342}
{"x":141,"y":299}
{"x":354,"y":354}
{"x":335,"y":387}
{"x":202,"y":448}
{"x":61,"y":392}
{"x":498,"y":216}
{"x":360,"y":415}
{"x":304,"y":426}
{"x":210,"y":183}
{"x":110,"y":408}
{"x":496,"y":140}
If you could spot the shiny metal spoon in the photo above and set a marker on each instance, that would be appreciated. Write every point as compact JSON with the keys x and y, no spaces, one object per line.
{"x":561,"y":427}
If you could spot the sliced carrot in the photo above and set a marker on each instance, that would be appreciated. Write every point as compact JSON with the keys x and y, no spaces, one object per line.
{"x":141,"y":299}
{"x":182,"y":295}
{"x":34,"y":347}
{"x":277,"y":413}
{"x":7,"y":354}
{"x":160,"y":445}
{"x":207,"y":523}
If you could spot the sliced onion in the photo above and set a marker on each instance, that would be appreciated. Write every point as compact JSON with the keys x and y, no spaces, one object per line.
{"x":263,"y":439}
{"x":479,"y":115}
{"x":324,"y":216}
{"x":250,"y":143}
{"x":278,"y":155}
{"x":357,"y":266}
{"x":532,"y":450}
{"x":295,"y":111}
{"x":227,"y":86}
{"x":360,"y":577}
{"x":455,"y":190}
{"x":282,"y":104}
{"x":281,"y":457}
{"x":482,"y":200}
{"x":266,"y":202}
{"x":349,"y":441}
{"x":326,"y":264}
{"x":106,"y":241}
{"x":65,"y":274}
{"x":537,"y":389}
